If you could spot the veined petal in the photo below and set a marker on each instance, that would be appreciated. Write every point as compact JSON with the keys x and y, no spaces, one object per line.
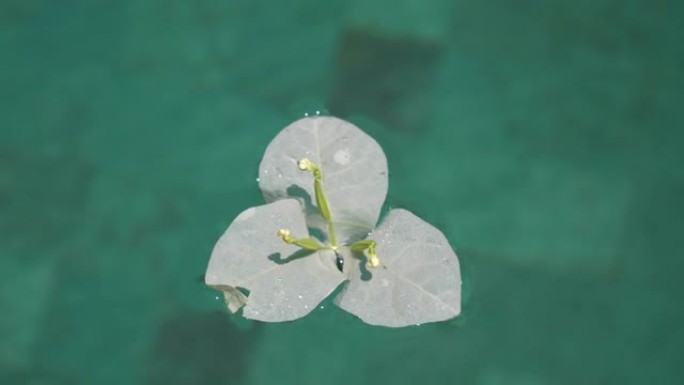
{"x":418,"y":279}
{"x":353,"y":166}
{"x":282,"y":285}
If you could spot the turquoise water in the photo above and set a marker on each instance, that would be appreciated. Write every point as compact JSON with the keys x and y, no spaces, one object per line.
{"x":543,"y":138}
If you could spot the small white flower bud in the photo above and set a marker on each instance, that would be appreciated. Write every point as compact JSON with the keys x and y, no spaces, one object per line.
{"x":283,"y":233}
{"x":304,"y":164}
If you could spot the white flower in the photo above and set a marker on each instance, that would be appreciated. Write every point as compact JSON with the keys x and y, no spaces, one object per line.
{"x":325,"y":175}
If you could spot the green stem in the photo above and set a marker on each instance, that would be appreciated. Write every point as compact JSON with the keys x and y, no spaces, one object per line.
{"x":304,"y":243}
{"x":323,"y":207}
{"x":321,"y":201}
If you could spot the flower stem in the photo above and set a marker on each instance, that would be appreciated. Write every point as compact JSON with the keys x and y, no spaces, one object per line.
{"x":322,"y":203}
{"x":304,"y":243}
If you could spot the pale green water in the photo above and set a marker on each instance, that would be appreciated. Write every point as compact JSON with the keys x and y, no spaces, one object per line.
{"x":543,"y":138}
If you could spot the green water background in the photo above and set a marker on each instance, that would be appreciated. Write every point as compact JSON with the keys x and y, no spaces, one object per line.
{"x":543,"y":137}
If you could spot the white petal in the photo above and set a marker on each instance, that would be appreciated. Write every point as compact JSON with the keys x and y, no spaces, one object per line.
{"x":245,"y":257}
{"x":354,"y":173}
{"x":419,"y":279}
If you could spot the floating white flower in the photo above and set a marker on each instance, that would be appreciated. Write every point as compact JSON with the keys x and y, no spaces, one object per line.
{"x":326,"y":181}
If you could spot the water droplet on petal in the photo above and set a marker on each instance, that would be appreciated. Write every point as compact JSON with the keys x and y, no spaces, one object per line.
{"x":342,"y":157}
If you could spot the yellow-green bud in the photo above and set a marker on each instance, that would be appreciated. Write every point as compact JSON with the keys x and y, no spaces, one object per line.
{"x":305,"y":164}
{"x":284,"y":234}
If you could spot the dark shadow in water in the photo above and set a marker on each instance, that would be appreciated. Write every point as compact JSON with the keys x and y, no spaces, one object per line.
{"x":33,"y":375}
{"x":200,"y":348}
{"x":301,"y":253}
{"x":393,"y":94}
